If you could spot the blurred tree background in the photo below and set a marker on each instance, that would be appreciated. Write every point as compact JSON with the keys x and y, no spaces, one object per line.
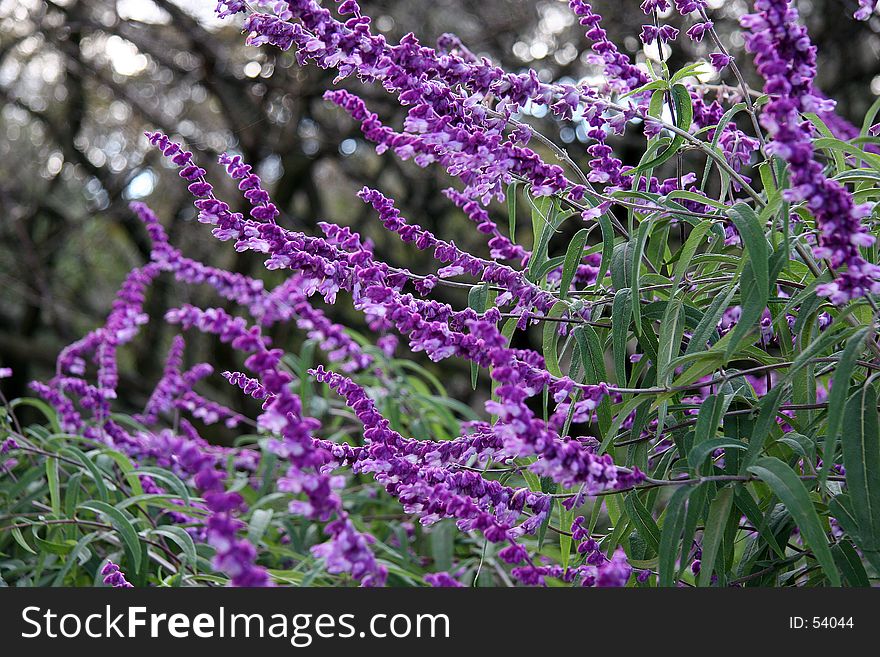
{"x":80,"y":81}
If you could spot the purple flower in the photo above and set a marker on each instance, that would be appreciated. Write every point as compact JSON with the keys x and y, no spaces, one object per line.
{"x":442,"y":579}
{"x":8,"y":445}
{"x":866,"y":9}
{"x":698,"y":30}
{"x":786,"y":59}
{"x":114,"y":577}
{"x":665,"y":33}
{"x":686,"y":7}
{"x":719,"y":60}
{"x":228,"y":7}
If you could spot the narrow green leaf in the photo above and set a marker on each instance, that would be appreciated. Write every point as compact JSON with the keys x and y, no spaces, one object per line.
{"x":54,"y":488}
{"x":92,"y":469}
{"x":695,"y":240}
{"x":551,"y":336}
{"x":716,"y":522}
{"x":670,"y":535}
{"x":258,"y":525}
{"x":593,"y":360}
{"x":566,"y":517}
{"x":166,"y":477}
{"x":708,"y":325}
{"x":573,"y":255}
{"x":790,"y":490}
{"x":744,"y":502}
{"x":861,"y":458}
{"x":620,"y":320}
{"x":636,"y":264}
{"x":542,"y":230}
{"x":671,"y":332}
{"x":477,"y":298}
{"x":511,"y":211}
{"x":708,"y":418}
{"x":754,"y":302}
{"x":641,"y":517}
{"x":850,"y":565}
{"x":607,"y":244}
{"x":837,"y":398}
{"x":16,"y":534}
{"x":695,"y":508}
{"x":123,"y":525}
{"x":78,"y":556}
{"x":684,"y":112}
{"x":179,"y":536}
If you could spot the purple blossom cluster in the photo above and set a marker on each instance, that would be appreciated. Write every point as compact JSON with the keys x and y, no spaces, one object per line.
{"x":597,"y":570}
{"x":786,"y":59}
{"x":114,"y":577}
{"x":466,"y":115}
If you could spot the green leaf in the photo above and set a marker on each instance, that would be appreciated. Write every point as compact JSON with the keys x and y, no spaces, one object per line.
{"x":566,"y":517}
{"x":840,"y":508}
{"x":708,"y":418}
{"x":477,"y":298}
{"x":593,"y":360}
{"x":41,"y":406}
{"x":80,"y":554}
{"x":671,"y":331}
{"x":670,"y":535}
{"x":850,"y":565}
{"x":708,"y":325}
{"x":92,"y":469}
{"x":696,"y":506}
{"x":861,"y":458}
{"x":638,"y":248}
{"x":641,"y":517}
{"x":744,"y":502}
{"x":71,"y":493}
{"x":179,"y":536}
{"x":166,"y":477}
{"x":127,"y":468}
{"x":684,"y":114}
{"x":51,"y":547}
{"x":839,"y":159}
{"x":620,"y":320}
{"x":755,"y":282}
{"x":573,"y":255}
{"x":769,"y":404}
{"x":719,"y":130}
{"x":837,"y":398}
{"x":551,"y":336}
{"x":790,"y":490}
{"x":836,"y":145}
{"x":123,"y":525}
{"x":651,"y":86}
{"x":542,"y":230}
{"x":621,"y":265}
{"x":687,"y":71}
{"x":694,"y":241}
{"x":607,"y":244}
{"x":54,"y":488}
{"x":258,"y":525}
{"x":16,"y":534}
{"x":716,"y":522}
{"x":511,"y":210}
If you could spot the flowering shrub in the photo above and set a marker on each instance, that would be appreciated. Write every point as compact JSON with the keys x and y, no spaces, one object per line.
{"x":703,"y":409}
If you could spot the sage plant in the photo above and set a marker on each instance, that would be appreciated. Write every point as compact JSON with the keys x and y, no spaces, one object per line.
{"x":702,"y":410}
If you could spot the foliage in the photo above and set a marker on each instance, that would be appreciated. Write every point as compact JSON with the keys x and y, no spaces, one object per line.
{"x":703,"y":410}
